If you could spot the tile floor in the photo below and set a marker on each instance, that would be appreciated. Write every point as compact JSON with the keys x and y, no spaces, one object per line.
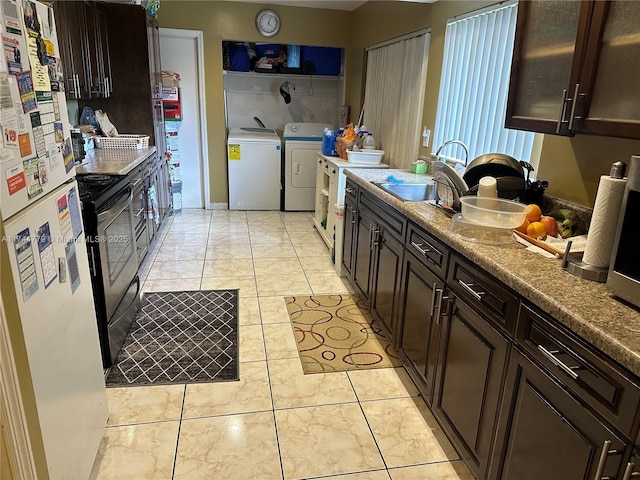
{"x":276,"y":422}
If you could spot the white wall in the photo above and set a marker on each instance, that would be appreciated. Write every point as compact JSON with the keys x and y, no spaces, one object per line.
{"x":248,"y":95}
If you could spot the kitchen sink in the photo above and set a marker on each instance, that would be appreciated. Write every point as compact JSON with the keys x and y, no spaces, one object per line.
{"x":410,"y":192}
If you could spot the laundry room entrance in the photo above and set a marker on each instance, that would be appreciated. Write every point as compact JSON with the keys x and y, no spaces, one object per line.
{"x":259,"y":81}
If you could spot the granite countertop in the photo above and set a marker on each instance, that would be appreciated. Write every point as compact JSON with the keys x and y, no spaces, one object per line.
{"x":585,"y":307}
{"x":113,"y":161}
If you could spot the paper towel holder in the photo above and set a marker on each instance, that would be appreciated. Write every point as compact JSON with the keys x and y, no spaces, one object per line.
{"x":572,"y":263}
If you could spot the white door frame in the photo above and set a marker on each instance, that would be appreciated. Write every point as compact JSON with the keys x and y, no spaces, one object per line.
{"x":12,"y":412}
{"x":198,"y":36}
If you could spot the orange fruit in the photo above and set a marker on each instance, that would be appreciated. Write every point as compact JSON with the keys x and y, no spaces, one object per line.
{"x":550,"y":224}
{"x":537,"y":230}
{"x":523,"y":228}
{"x":534,"y":213}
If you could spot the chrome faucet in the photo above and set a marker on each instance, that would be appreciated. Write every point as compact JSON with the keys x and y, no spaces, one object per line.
{"x":458,"y":142}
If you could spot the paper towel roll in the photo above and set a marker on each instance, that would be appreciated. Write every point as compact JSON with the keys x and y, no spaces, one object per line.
{"x":604,"y":221}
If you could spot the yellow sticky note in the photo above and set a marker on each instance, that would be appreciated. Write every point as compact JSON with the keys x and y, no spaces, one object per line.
{"x":234,"y":152}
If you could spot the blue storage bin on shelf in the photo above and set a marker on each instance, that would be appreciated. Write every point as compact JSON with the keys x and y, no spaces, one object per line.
{"x":326,"y":60}
{"x":239,"y":60}
{"x":269,"y":50}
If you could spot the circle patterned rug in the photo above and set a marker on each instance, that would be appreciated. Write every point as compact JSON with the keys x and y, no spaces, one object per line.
{"x":336,"y":333}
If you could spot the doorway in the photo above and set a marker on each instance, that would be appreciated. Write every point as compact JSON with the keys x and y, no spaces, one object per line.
{"x":181,"y":51}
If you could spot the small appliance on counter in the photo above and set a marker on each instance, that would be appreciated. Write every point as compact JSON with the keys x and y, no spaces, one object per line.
{"x":77,"y":143}
{"x":624,"y":269}
{"x":508,"y":172}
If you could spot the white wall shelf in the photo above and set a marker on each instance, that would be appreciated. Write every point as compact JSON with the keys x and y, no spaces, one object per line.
{"x":287,"y":76}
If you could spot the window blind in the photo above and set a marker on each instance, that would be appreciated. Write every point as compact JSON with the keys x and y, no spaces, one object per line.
{"x":474,"y":85}
{"x":394,"y":96}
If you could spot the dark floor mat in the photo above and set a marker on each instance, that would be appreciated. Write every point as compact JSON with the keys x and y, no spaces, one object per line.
{"x":180,"y":337}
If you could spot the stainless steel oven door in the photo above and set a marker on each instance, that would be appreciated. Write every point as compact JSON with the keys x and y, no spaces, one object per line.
{"x":117,"y":246}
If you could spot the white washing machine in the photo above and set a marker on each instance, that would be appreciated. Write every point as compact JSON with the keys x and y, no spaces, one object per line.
{"x":302,"y":142}
{"x":254,"y":157}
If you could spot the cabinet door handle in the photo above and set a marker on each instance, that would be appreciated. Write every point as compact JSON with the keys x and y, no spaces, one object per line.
{"x":376,"y":237}
{"x":434,"y":294}
{"x":629,"y":473}
{"x":602,"y":460}
{"x":467,"y":287}
{"x":563,"y":110}
{"x":553,"y":359}
{"x":418,"y":246}
{"x":436,"y":304}
{"x":370,"y":237}
{"x":76,"y":85}
{"x":574,"y":104}
{"x":354,"y":215}
{"x":349,"y":189}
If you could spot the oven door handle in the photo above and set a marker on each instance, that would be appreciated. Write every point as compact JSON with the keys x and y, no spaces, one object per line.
{"x":119,"y":205}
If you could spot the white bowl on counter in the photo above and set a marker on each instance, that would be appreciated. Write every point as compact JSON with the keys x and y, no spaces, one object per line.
{"x":371,"y":157}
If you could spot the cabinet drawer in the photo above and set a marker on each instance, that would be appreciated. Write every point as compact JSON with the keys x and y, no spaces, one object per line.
{"x":394,"y":222}
{"x":328,"y":168}
{"x":588,"y":373}
{"x":430,"y":251}
{"x":493,"y":300}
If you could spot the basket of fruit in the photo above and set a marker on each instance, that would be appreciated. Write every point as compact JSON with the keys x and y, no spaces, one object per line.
{"x":550,"y":231}
{"x":561,"y":223}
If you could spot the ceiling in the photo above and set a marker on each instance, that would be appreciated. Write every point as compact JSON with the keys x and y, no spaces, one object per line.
{"x":329,"y":4}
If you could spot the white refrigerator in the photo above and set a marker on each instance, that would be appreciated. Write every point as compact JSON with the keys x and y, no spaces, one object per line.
{"x":48,"y":270}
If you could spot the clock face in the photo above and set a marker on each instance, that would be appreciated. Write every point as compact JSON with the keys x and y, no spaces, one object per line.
{"x":268,"y":23}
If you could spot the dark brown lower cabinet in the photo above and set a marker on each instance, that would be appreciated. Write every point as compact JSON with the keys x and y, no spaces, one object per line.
{"x":420,"y":289}
{"x":387,"y":262}
{"x":548,"y":434}
{"x":469,"y":380}
{"x":362,"y":251}
{"x":350,"y":221}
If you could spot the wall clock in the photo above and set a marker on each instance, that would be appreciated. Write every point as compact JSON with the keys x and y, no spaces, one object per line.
{"x":268,"y":22}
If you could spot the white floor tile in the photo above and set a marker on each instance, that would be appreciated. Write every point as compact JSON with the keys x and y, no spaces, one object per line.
{"x":228,"y":429}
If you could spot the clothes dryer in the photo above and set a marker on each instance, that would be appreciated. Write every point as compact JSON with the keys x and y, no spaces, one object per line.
{"x":302,"y":143}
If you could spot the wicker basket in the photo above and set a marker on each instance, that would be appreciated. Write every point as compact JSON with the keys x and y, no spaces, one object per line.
{"x":123,"y":141}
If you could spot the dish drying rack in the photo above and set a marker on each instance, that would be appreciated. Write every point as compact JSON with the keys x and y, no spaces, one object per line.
{"x":446,"y":197}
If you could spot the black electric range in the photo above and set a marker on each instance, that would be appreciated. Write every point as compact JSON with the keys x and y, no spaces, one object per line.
{"x":96,"y":190}
{"x":107,"y":214}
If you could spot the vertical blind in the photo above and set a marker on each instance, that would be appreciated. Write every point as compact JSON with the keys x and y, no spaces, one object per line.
{"x":394,"y":96}
{"x":475,"y":82}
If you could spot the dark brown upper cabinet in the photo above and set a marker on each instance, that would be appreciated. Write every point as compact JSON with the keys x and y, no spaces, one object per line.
{"x":84,"y":46}
{"x":575,"y":68}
